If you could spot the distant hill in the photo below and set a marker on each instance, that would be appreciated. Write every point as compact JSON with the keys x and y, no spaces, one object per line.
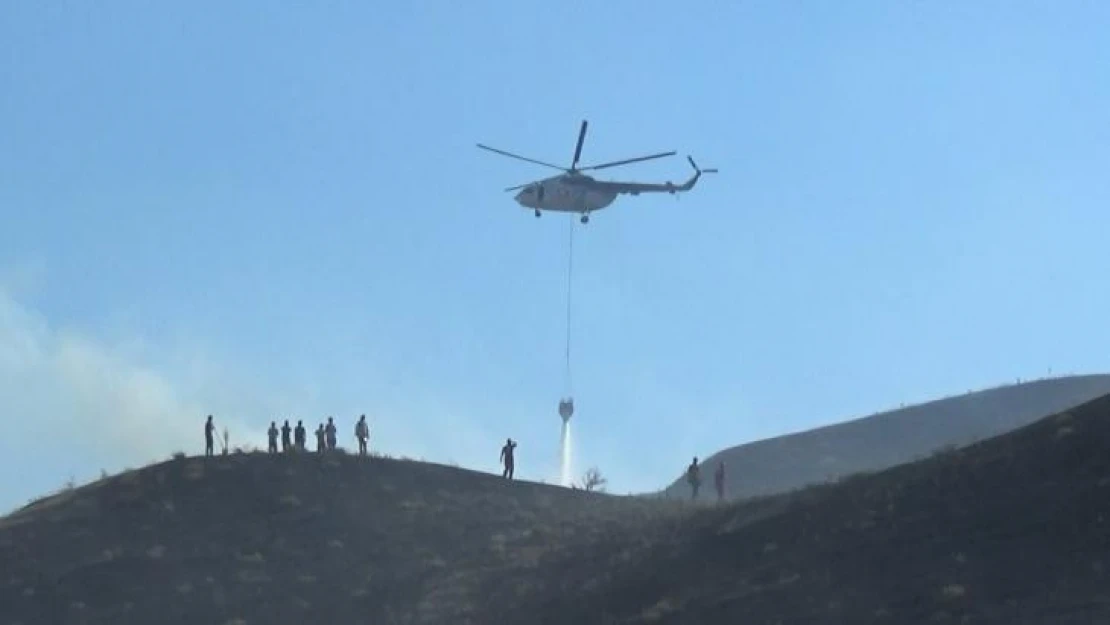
{"x":887,"y":439}
{"x":1014,"y":530}
{"x":1011,"y":531}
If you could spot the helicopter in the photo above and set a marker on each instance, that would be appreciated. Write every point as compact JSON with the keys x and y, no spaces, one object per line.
{"x":575,"y":192}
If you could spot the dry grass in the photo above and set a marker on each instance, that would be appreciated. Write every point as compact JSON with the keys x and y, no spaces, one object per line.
{"x":339,"y":538}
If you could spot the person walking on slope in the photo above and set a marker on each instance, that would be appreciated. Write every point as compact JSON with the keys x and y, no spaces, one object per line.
{"x":272,"y":434}
{"x":285,"y":443}
{"x":329,"y":431}
{"x":507,"y":458}
{"x":693,"y":476}
{"x":299,"y":436}
{"x":209,"y":429}
{"x":320,"y":442}
{"x":719,"y":480}
{"x":362,"y":432}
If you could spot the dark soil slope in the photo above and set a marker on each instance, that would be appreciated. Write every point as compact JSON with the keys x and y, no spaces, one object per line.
{"x":1014,"y":530}
{"x":286,"y":539}
{"x":891,"y":438}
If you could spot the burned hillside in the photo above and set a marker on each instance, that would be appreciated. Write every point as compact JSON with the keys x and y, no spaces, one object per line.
{"x":1013,"y":530}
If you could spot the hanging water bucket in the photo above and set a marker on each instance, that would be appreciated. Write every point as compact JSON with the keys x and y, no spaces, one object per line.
{"x":566,"y":408}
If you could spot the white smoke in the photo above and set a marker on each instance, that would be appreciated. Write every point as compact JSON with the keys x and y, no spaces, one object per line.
{"x":73,"y":395}
{"x":77,"y":403}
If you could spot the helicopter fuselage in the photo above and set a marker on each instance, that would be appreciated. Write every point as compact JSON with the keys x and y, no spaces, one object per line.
{"x":565,"y":193}
{"x":575,"y":192}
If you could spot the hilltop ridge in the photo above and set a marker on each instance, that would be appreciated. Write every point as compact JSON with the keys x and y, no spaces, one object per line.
{"x":1013,"y":530}
{"x":283,"y":538}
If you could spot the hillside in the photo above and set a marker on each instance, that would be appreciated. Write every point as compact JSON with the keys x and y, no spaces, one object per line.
{"x":1014,"y":530}
{"x":288,"y":539}
{"x":883,"y":440}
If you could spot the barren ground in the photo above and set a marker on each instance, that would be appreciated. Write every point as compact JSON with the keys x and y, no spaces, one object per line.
{"x":1012,"y":530}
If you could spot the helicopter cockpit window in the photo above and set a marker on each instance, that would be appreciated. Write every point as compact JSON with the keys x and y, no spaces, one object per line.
{"x":529,"y":190}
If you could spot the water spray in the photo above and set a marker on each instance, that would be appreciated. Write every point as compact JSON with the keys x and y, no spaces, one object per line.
{"x":566,"y":411}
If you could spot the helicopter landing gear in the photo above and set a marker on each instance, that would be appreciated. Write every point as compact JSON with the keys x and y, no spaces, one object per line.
{"x":537,"y":212}
{"x":585,"y":218}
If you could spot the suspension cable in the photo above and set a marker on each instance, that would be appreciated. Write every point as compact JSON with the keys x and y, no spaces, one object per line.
{"x":570,"y":274}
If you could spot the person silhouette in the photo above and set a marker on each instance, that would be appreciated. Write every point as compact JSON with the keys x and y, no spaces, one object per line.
{"x":299,"y":436}
{"x":693,"y":476}
{"x":285,"y":442}
{"x":507,"y":458}
{"x":209,"y":428}
{"x":329,"y":431}
{"x":272,"y":435}
{"x":362,"y":432}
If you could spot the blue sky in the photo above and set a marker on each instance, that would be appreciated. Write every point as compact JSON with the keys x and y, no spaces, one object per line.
{"x":274,"y":210}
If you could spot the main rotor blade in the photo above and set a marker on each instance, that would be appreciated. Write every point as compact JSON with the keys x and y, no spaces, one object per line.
{"x":630,"y":160}
{"x":523,"y":158}
{"x":578,"y":148}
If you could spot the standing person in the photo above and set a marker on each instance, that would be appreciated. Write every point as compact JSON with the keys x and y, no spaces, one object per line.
{"x":362,"y":432}
{"x":719,"y":480}
{"x":299,"y":435}
{"x":329,"y":431}
{"x":285,"y":442}
{"x":209,"y":429}
{"x":272,"y":434}
{"x":693,"y":476}
{"x":320,"y":442}
{"x":507,"y":458}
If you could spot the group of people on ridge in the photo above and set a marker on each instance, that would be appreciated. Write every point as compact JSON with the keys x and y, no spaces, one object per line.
{"x":693,"y":477}
{"x":294,"y":438}
{"x":326,"y":441}
{"x":325,"y":436}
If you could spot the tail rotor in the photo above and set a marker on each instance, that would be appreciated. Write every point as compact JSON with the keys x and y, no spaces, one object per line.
{"x":697,"y":169}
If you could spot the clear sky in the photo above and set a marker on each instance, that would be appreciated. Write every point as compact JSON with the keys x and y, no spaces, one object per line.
{"x":266,"y":210}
